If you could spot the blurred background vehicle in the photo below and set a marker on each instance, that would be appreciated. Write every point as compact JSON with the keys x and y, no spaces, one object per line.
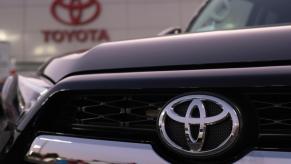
{"x":5,"y":63}
{"x":6,"y":66}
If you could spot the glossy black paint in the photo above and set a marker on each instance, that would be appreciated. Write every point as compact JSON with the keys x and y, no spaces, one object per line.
{"x":214,"y":48}
{"x":271,"y":76}
{"x":215,"y":80}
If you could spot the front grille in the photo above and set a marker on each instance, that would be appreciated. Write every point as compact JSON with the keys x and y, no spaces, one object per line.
{"x":128,"y":111}
{"x":140,"y":110}
{"x":133,"y":115}
{"x":274,"y":119}
{"x":274,"y":112}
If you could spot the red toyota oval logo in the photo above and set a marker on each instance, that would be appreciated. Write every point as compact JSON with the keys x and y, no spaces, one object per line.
{"x":75,"y":12}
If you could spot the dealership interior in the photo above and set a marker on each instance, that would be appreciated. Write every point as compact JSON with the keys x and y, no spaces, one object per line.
{"x":38,"y":30}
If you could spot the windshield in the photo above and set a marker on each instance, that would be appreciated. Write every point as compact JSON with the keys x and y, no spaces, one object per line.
{"x":237,"y":14}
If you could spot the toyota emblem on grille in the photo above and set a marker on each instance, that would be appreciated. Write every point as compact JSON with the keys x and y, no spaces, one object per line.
{"x":197,"y":125}
{"x":75,"y":12}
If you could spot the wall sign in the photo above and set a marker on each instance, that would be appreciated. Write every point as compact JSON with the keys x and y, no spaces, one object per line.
{"x":75,"y":13}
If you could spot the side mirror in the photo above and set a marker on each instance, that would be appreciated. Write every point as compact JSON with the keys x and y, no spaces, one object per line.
{"x":171,"y":31}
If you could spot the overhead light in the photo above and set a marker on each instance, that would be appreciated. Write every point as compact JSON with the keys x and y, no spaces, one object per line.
{"x":3,"y":36}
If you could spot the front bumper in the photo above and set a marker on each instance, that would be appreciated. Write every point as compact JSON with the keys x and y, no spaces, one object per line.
{"x":59,"y":149}
{"x":54,"y":149}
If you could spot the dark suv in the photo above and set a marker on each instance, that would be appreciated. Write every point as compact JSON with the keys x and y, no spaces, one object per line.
{"x":212,"y":97}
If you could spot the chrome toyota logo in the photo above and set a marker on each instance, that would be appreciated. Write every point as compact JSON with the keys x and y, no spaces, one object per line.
{"x":198,"y":125}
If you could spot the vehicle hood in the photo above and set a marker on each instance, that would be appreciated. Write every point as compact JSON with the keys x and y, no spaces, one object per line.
{"x":208,"y":49}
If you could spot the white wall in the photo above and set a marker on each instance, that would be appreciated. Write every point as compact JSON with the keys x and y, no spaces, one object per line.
{"x":22,"y":23}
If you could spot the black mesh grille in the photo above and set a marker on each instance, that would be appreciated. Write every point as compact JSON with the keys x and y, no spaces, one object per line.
{"x":274,"y":112}
{"x":138,"y":111}
{"x":98,"y":113}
